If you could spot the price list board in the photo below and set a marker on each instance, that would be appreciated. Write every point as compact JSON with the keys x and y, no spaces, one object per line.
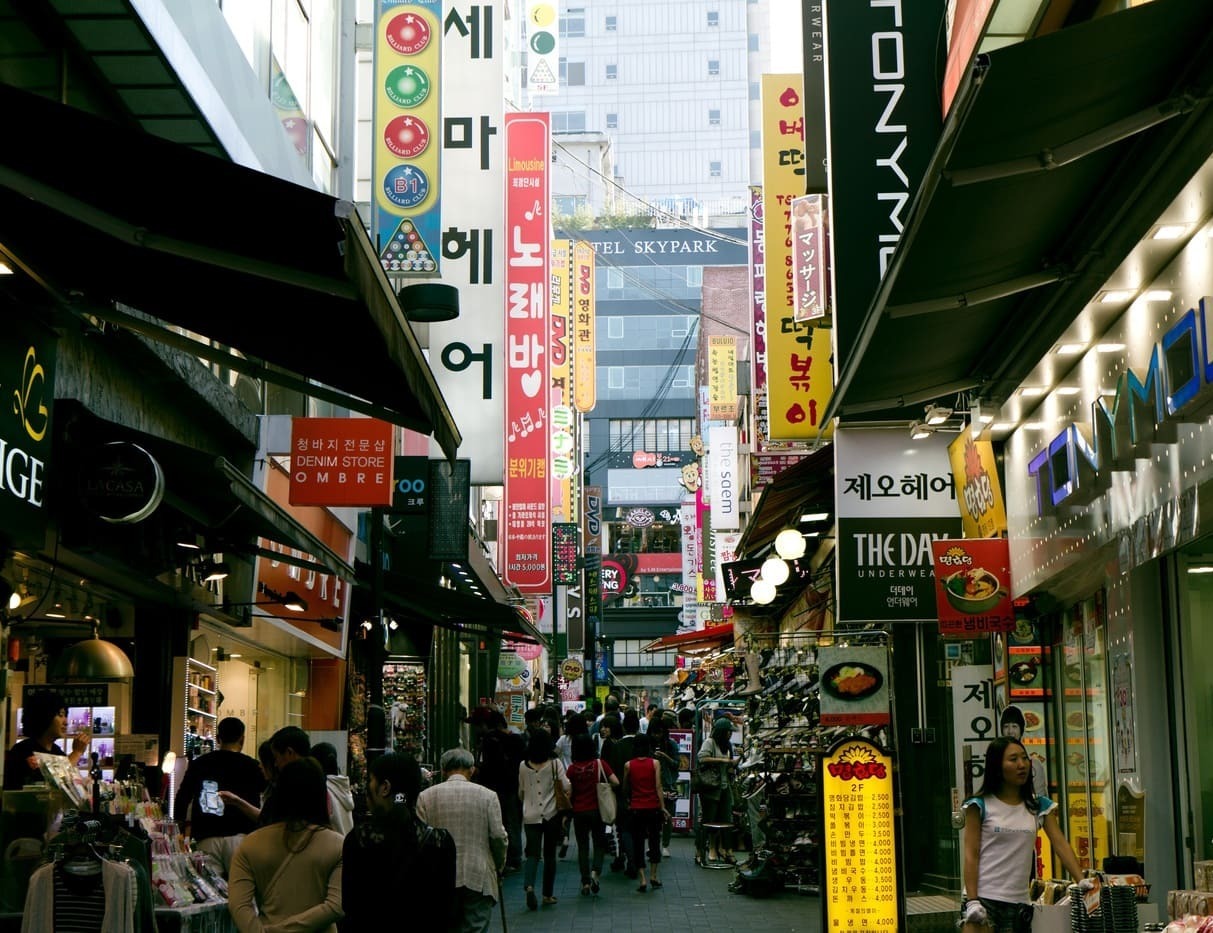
{"x":860,"y":852}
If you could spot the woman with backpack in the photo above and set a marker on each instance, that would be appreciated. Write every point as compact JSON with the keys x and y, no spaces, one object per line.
{"x":393,"y":854}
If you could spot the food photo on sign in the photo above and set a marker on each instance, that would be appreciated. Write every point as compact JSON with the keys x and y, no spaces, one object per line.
{"x":972,"y":585}
{"x":854,"y":685}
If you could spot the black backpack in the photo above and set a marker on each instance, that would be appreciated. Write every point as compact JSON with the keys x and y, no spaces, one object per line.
{"x":434,"y":863}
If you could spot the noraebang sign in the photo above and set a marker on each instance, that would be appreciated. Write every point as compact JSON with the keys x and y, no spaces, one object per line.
{"x":1076,"y":466}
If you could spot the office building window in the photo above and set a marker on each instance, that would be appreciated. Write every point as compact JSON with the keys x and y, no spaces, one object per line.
{"x":572,"y":74}
{"x":714,"y":117}
{"x":572,"y":23}
{"x":568,"y":121}
{"x":755,"y":91}
{"x":570,"y":204}
{"x":629,"y":652}
{"x":753,"y":42}
{"x":612,"y":72}
{"x":610,"y":24}
{"x":615,"y":327}
{"x":663,"y":435}
{"x":713,"y":66}
{"x":713,"y":17}
{"x":614,"y":278}
{"x":714,"y":168}
{"x":615,"y":377}
{"x":612,"y":121}
{"x":755,"y":139}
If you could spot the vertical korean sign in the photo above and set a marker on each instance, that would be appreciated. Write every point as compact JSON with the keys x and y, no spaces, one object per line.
{"x":591,"y":537}
{"x":722,"y":378}
{"x":810,"y":258}
{"x":563,"y":420}
{"x":528,"y":492}
{"x":467,"y":354}
{"x":585,"y":387}
{"x":406,"y":205}
{"x":799,"y":372}
{"x":859,"y":855}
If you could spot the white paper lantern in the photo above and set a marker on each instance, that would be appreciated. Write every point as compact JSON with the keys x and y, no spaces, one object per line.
{"x":789,"y":544}
{"x":775,"y":571}
{"x":762,"y":592}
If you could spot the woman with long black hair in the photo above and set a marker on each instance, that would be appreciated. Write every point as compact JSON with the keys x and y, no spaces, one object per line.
{"x":1001,"y":822}
{"x":585,"y":773}
{"x":537,"y":777}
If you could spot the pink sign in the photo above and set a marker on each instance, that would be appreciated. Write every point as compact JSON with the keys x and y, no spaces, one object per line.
{"x":810,"y":258}
{"x":527,"y":494}
{"x":758,"y":289}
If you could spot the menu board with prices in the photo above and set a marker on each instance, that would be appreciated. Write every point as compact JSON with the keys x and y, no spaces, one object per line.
{"x":404,"y":697}
{"x":860,"y":852}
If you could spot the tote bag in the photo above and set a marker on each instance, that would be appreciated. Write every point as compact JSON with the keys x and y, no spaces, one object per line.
{"x":606,"y":797}
{"x":564,"y":806}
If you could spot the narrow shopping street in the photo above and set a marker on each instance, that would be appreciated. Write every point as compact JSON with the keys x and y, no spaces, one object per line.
{"x":691,"y":898}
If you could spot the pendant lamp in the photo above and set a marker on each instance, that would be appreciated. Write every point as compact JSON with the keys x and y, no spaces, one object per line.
{"x":93,"y":659}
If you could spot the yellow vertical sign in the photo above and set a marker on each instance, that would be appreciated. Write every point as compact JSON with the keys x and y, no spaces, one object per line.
{"x":722,"y":378}
{"x":563,"y":418}
{"x":585,"y":388}
{"x":800,"y":376}
{"x":859,"y":851}
{"x":978,"y":492}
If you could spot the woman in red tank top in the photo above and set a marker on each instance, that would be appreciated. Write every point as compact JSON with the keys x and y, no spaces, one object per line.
{"x":642,"y":785}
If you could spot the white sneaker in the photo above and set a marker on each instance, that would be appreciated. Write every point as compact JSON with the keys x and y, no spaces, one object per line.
{"x":665,"y":851}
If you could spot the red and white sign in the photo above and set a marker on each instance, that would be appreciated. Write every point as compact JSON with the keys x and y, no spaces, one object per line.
{"x":973,"y":586}
{"x":527,"y":496}
{"x":341,"y":461}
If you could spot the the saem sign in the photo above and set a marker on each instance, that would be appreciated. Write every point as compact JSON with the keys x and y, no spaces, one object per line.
{"x":1076,"y":466}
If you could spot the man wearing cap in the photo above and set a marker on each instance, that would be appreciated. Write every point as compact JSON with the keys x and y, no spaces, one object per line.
{"x":499,"y":752}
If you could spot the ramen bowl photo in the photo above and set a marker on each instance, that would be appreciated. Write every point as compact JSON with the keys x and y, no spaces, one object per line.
{"x":975,"y":590}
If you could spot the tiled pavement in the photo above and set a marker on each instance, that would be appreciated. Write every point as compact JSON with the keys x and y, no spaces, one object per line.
{"x":691,"y":898}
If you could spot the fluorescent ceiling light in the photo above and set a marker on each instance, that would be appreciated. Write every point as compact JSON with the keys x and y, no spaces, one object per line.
{"x":1068,"y":390}
{"x":235,"y":655}
{"x":1203,"y":568}
{"x":985,"y":419}
{"x":1002,"y":426}
{"x":1158,"y":294}
{"x":814,"y":516}
{"x":920,"y":430}
{"x":1168,"y":231}
{"x":1071,"y":349}
{"x":1109,"y":347}
{"x":1032,"y":391}
{"x":937,"y":414}
{"x":5,"y":269}
{"x":1112,"y":297}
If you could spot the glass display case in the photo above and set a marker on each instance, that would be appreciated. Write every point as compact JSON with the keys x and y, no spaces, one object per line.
{"x":405,"y":700}
{"x":91,"y":707}
{"x":195,"y":714}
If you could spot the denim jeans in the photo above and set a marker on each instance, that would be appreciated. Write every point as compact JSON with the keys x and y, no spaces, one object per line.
{"x":586,"y":825}
{"x":546,"y":834}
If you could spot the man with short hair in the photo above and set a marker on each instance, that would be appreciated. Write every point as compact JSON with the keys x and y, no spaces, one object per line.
{"x":648,"y":718}
{"x":203,"y":810}
{"x":610,"y":708}
{"x":472,"y":815}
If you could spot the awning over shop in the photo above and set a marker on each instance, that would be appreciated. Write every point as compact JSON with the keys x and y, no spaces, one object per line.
{"x":1058,"y":156}
{"x":275,"y":280}
{"x":450,"y":609}
{"x":806,"y":487}
{"x":214,"y":498}
{"x":696,"y":642}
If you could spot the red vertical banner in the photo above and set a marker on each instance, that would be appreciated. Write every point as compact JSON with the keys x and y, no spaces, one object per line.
{"x":527,"y":497}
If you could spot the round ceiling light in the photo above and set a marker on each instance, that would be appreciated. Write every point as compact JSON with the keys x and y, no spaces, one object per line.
{"x":775,"y":571}
{"x":789,"y":544}
{"x":762,"y":592}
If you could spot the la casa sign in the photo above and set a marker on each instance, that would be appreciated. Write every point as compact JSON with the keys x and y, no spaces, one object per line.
{"x":1076,"y":466}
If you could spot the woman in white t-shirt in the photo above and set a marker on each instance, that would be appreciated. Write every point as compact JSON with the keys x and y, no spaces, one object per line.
{"x":1000,"y":842}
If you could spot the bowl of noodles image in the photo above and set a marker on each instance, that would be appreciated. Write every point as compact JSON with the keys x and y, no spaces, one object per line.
{"x":851,"y":680}
{"x":973,"y":590}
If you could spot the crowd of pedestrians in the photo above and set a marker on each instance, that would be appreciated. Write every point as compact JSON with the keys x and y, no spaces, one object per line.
{"x":283,"y":826}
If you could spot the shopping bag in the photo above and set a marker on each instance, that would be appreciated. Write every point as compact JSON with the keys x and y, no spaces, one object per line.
{"x":1049,"y":918}
{"x":606,"y":798}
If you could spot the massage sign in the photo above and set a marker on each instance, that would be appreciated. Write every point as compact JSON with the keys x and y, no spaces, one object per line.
{"x":859,"y":852}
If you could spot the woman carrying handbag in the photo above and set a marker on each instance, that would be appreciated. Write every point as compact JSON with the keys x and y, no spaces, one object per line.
{"x":593,"y":792}
{"x":538,"y":777}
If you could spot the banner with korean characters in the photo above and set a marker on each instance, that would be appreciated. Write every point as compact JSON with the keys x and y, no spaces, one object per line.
{"x":585,"y":386}
{"x":563,"y":419}
{"x":722,"y":378}
{"x":407,"y":207}
{"x":975,"y":721}
{"x":691,"y":561}
{"x":467,"y":354}
{"x":859,"y":845}
{"x":894,"y":497}
{"x":527,"y":493}
{"x":341,"y":462}
{"x":810,"y":258}
{"x":800,"y":374}
{"x":591,"y":548}
{"x":978,"y":491}
{"x":973,"y":586}
{"x":758,"y":297}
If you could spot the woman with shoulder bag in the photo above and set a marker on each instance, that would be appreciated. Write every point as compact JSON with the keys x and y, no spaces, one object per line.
{"x":585,"y":774}
{"x":665,"y":750}
{"x":713,"y":767}
{"x":538,"y":777}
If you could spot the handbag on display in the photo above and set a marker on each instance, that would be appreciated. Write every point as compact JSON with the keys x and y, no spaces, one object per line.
{"x":564,"y":805}
{"x":606,"y":797}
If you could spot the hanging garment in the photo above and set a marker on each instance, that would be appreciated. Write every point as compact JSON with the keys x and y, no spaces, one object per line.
{"x":54,"y":900}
